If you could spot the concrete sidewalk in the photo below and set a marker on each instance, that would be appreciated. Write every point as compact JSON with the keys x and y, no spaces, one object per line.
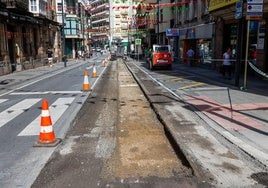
{"x":243,"y":114}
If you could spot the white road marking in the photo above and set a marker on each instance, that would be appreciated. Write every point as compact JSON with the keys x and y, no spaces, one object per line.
{"x":129,"y":85}
{"x":3,"y":100}
{"x":45,"y":92}
{"x":55,"y":110}
{"x":16,"y":110}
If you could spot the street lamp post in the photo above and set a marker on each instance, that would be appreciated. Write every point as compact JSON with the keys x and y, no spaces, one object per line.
{"x":63,"y":35}
{"x":158,"y":14}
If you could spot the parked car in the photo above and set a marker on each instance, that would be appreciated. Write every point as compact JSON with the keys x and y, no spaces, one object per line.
{"x":160,"y":57}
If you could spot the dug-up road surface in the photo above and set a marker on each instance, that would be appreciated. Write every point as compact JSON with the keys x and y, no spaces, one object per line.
{"x":117,"y":141}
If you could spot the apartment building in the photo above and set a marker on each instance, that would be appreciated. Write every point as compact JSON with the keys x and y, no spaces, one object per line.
{"x":100,"y":23}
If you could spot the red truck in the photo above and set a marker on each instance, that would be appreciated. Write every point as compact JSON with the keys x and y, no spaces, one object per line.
{"x":160,"y":57}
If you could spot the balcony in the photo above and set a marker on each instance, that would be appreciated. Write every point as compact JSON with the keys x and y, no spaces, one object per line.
{"x":16,"y":4}
{"x":103,"y":20}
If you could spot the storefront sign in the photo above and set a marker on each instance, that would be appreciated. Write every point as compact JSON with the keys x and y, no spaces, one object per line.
{"x":172,"y":32}
{"x":216,"y":4}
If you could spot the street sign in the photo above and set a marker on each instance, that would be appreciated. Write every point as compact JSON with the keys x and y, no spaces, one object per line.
{"x":254,"y":9}
{"x":137,"y":41}
{"x":238,"y":11}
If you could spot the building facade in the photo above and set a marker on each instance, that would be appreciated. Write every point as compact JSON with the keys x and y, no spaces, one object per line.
{"x":27,"y":29}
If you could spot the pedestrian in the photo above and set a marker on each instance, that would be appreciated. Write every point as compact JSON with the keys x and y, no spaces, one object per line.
{"x":50,"y":56}
{"x":190,"y":56}
{"x":226,"y":65}
{"x":76,"y":56}
{"x":201,"y":56}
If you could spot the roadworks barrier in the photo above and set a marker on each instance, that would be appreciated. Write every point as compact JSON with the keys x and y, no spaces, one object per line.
{"x":46,"y":137}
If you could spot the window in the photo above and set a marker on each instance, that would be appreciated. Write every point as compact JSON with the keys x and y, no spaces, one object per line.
{"x":33,"y":5}
{"x":59,"y":7}
{"x":70,"y":28}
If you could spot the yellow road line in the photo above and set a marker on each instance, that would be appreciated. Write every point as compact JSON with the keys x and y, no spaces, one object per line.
{"x":179,"y":79}
{"x":192,"y":85}
{"x":175,"y":79}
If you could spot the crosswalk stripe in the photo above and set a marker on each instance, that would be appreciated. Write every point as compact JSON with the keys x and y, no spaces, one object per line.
{"x":55,"y":111}
{"x":16,"y":110}
{"x":2,"y":100}
{"x":45,"y":92}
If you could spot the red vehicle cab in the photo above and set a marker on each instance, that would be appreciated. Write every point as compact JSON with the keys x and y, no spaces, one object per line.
{"x":160,"y":57}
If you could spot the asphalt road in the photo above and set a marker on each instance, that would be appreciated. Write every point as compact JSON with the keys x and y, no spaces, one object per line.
{"x":117,"y":141}
{"x":20,"y":118}
{"x":111,"y":143}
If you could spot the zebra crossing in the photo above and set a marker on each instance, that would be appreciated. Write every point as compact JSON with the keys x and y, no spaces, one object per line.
{"x":56,"y":110}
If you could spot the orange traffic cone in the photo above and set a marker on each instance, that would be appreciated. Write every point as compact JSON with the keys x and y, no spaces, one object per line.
{"x":94,"y":72}
{"x":86,"y":85}
{"x":47,"y":136}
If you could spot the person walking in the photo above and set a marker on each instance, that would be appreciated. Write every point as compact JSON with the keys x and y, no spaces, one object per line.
{"x":190,"y":56}
{"x":50,"y":56}
{"x":226,"y":65}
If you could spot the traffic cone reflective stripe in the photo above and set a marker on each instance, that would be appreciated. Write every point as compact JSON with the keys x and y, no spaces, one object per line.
{"x":46,"y":136}
{"x":86,"y":85}
{"x":45,"y":118}
{"x":46,"y":129}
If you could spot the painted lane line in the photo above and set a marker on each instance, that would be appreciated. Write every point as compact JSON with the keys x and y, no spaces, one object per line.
{"x":16,"y":110}
{"x":3,"y":100}
{"x":45,"y":92}
{"x":192,"y":85}
{"x":55,"y":110}
{"x":129,"y":85}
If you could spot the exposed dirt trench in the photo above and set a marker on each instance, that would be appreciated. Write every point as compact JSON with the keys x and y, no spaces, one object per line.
{"x":142,"y":147}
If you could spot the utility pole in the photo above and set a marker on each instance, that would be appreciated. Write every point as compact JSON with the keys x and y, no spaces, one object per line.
{"x":158,"y":14}
{"x":239,"y":47}
{"x":63,"y":35}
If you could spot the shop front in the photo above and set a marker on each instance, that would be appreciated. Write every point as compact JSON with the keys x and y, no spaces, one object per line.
{"x":200,"y":39}
{"x":241,"y":33}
